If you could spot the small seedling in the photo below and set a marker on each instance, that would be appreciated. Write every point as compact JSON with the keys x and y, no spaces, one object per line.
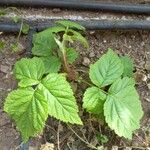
{"x":16,"y":47}
{"x":103,"y":139}
{"x":2,"y":45}
{"x":25,"y":28}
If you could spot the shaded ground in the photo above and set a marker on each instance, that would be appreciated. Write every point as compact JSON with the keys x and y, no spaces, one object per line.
{"x":134,"y":43}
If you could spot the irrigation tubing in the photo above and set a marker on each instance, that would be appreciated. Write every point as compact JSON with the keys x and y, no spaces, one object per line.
{"x":107,"y":25}
{"x":88,"y":24}
{"x":80,"y":5}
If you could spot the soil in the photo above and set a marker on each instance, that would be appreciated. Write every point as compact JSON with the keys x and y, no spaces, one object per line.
{"x":134,"y":43}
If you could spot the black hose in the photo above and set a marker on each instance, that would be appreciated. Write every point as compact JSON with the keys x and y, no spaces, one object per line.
{"x":80,"y":5}
{"x":89,"y":25}
{"x":29,"y":44}
{"x":107,"y":25}
{"x":9,"y":27}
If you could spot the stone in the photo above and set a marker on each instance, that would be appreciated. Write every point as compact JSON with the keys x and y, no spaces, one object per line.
{"x":4,"y":68}
{"x":114,"y":148}
{"x":92,"y":54}
{"x":147,"y":65}
{"x":86,"y":61}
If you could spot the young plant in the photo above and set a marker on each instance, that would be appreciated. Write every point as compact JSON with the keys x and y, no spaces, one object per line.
{"x":113,"y":94}
{"x":41,"y":91}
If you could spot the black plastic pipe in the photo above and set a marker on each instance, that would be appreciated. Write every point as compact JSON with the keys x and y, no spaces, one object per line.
{"x":8,"y":27}
{"x":107,"y":25}
{"x":89,"y":25}
{"x":80,"y":5}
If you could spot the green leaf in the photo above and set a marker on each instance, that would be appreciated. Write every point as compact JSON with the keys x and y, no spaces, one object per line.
{"x":52,"y":64}
{"x":71,"y":54}
{"x":62,"y":104}
{"x":55,"y":29}
{"x":78,"y":37}
{"x":102,"y":138}
{"x":29,"y":109}
{"x":16,"y":19}
{"x":71,"y":24}
{"x":128,"y":66}
{"x":106,"y":70}
{"x":43,"y":43}
{"x":29,"y":71}
{"x":3,"y":12}
{"x":25,"y":28}
{"x":122,"y":108}
{"x":93,"y":100}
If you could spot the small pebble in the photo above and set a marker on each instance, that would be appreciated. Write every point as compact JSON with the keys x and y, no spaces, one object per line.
{"x":104,"y":41}
{"x":144,"y":78}
{"x":4,"y":69}
{"x":148,"y":85}
{"x":86,"y":61}
{"x":92,"y":32}
{"x":142,"y":43}
{"x":92,"y":54}
{"x":147,"y":65}
{"x":128,"y":148}
{"x":114,"y":148}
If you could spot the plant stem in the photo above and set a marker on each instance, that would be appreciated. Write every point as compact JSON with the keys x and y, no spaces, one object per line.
{"x":86,"y":82}
{"x":20,"y":31}
{"x":66,"y":66}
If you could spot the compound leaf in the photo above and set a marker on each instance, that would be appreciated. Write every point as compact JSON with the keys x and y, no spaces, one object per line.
{"x":29,"y":71}
{"x":70,"y":24}
{"x":62,"y":104}
{"x":93,"y":100}
{"x":122,"y":108}
{"x":29,"y":109}
{"x":128,"y":66}
{"x":43,"y":43}
{"x":71,"y":54}
{"x":52,"y":64}
{"x":106,"y":70}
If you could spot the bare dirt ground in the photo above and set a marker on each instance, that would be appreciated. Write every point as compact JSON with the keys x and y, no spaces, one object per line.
{"x":134,"y":43}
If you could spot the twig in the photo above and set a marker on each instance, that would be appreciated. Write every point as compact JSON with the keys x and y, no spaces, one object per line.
{"x":91,"y":125}
{"x":134,"y":147}
{"x":58,"y":143}
{"x":140,"y":138}
{"x":51,"y":128}
{"x":91,"y":146}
